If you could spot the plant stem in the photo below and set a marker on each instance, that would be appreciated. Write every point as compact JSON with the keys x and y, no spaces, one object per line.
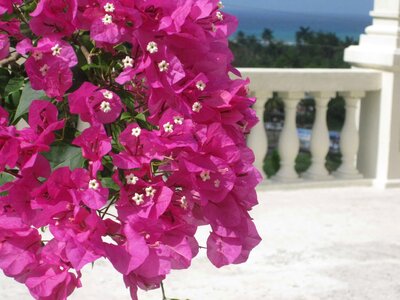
{"x":12,"y":173}
{"x":163,"y":292}
{"x":10,"y":59}
{"x":108,"y":207}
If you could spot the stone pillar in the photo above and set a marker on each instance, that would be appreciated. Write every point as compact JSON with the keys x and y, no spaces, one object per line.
{"x":320,"y":141}
{"x":258,"y":140}
{"x":349,"y":138}
{"x":289,"y":143}
{"x":379,"y":49}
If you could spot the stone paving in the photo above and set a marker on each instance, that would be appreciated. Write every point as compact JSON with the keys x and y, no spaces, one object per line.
{"x":329,"y":244}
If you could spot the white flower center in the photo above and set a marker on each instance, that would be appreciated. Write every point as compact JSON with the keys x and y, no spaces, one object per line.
{"x":109,"y":7}
{"x":56,"y":50}
{"x":108,"y":95}
{"x":105,"y":106}
{"x":168,"y":127}
{"x":178,"y":120}
{"x":37,"y":55}
{"x":163,"y":66}
{"x":136,"y":131}
{"x":219,"y":15}
{"x":131,"y":179}
{"x":205,"y":175}
{"x":152,"y":47}
{"x":44,"y":69}
{"x":200,"y":85}
{"x":107,"y":19}
{"x":220,"y":5}
{"x":94,"y":184}
{"x":183,"y":202}
{"x":217,"y":183}
{"x":128,"y":62}
{"x":150,"y":191}
{"x":197,"y":107}
{"x":138,"y":198}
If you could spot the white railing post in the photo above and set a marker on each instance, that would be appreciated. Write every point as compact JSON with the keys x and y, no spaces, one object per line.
{"x":349,"y":138}
{"x":320,"y":141}
{"x":258,"y":140}
{"x":379,"y":49}
{"x":289,"y":144}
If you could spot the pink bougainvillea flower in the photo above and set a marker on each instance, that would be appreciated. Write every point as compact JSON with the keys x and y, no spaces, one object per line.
{"x":48,"y":65}
{"x":43,"y":120}
{"x":3,"y":117}
{"x":164,"y":150}
{"x":54,"y":18}
{"x":6,"y":6}
{"x":112,"y":21}
{"x":95,"y":105}
{"x":95,"y":145}
{"x":4,"y":45}
{"x":10,"y":147}
{"x":51,"y":282}
{"x":88,"y":189}
{"x":12,"y":27}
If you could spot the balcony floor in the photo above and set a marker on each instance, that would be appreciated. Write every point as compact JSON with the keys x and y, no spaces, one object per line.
{"x":331,"y":244}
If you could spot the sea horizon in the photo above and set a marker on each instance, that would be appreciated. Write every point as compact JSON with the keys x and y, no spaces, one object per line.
{"x":285,"y":24}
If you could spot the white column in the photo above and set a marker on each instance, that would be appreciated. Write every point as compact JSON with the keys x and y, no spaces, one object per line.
{"x":320,"y":138}
{"x":379,"y":49}
{"x":289,"y":141}
{"x":258,"y":140}
{"x":349,"y":138}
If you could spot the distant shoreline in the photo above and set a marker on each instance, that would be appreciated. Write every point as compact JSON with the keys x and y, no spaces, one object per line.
{"x":285,"y":24}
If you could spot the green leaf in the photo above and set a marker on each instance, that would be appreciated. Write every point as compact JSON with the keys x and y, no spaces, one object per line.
{"x":126,"y":116}
{"x":4,"y":178}
{"x":28,"y":95}
{"x":64,"y":155}
{"x":140,"y":117}
{"x":4,"y":78}
{"x":91,"y":66}
{"x":14,"y":85}
{"x":109,"y":183}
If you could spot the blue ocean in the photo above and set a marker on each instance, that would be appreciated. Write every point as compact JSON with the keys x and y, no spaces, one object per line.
{"x":285,"y":24}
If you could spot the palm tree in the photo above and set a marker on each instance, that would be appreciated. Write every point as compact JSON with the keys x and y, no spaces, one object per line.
{"x":267,"y":36}
{"x":303,"y":35}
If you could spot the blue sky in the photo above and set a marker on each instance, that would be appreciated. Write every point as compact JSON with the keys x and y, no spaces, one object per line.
{"x":312,"y":6}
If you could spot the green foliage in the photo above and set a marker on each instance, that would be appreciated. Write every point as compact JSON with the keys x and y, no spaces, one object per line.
{"x":311,"y":50}
{"x":272,"y":163}
{"x":64,"y":155}
{"x":109,"y":183}
{"x":27,"y":96}
{"x":4,"y":178}
{"x":303,"y":162}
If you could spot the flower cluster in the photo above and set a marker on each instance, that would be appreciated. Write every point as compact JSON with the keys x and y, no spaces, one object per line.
{"x":136,"y":136}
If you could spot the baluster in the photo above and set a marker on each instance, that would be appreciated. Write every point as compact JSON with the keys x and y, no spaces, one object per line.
{"x":289,"y":144}
{"x":258,"y":140}
{"x":349,"y":138}
{"x":320,"y":141}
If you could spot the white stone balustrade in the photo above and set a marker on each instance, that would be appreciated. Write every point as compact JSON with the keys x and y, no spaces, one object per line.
{"x":292,"y":85}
